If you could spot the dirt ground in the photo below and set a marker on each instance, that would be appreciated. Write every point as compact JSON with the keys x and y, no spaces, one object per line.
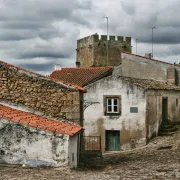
{"x":160,"y":159}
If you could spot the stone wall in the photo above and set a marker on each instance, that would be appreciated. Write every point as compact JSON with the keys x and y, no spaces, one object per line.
{"x":92,"y":50}
{"x":100,"y":53}
{"x":25,"y":88}
{"x":32,"y":147}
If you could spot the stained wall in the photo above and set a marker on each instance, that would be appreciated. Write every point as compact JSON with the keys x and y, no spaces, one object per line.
{"x":144,"y":68}
{"x":31,"y":147}
{"x":130,"y":125}
{"x":154,"y":109}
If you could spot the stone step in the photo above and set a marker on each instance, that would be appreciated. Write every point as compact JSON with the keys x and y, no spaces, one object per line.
{"x":178,"y":127}
{"x":166,"y":133}
{"x":173,"y":129}
{"x":167,"y":125}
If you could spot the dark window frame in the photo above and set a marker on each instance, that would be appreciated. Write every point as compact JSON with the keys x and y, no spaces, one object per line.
{"x":106,"y":113}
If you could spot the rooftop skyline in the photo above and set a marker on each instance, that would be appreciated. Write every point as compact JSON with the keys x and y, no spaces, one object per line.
{"x":37,"y":34}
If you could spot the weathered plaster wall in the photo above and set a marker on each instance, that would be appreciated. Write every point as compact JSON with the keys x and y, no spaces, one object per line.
{"x":40,"y":93}
{"x":73,"y":151}
{"x":154,"y":114}
{"x":131,"y":125}
{"x":25,"y":145}
{"x":142,"y":68}
{"x":92,"y":50}
{"x":154,"y":109}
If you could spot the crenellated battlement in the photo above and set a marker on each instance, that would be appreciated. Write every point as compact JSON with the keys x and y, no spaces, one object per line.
{"x":111,"y":38}
{"x":101,"y":38}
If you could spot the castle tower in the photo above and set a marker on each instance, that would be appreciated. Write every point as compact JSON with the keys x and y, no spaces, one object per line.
{"x":92,"y":50}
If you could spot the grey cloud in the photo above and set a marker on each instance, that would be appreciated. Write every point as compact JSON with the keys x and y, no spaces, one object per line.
{"x":46,"y":54}
{"x":48,"y":30}
{"x":38,"y":67}
{"x":41,"y":29}
{"x":137,"y":17}
{"x":129,"y":7}
{"x":44,"y":11}
{"x":15,"y":35}
{"x":163,"y":36}
{"x":23,"y":24}
{"x":47,"y":65}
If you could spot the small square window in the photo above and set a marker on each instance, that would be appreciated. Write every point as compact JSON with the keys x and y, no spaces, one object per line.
{"x":112,"y":105}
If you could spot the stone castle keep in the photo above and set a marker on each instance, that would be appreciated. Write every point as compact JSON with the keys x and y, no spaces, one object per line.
{"x":92,"y":50}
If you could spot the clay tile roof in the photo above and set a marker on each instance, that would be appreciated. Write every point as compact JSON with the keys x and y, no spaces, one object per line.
{"x":151,"y":84}
{"x":178,"y":65}
{"x":40,"y":75}
{"x":36,"y":121}
{"x":81,"y":76}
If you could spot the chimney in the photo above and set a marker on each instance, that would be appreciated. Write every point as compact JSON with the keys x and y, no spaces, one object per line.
{"x":77,"y":64}
{"x":172,"y":76}
{"x":57,"y":67}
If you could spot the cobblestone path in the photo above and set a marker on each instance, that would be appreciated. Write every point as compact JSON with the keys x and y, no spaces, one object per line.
{"x":160,"y":159}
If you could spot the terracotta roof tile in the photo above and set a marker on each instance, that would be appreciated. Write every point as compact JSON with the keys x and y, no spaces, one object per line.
{"x":151,"y":84}
{"x":36,"y":121}
{"x":150,"y":58}
{"x":81,"y":76}
{"x":47,"y":77}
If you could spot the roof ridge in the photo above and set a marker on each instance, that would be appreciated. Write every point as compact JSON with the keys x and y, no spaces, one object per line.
{"x":47,"y":77}
{"x":150,"y":58}
{"x":150,"y":83}
{"x":143,"y":79}
{"x":88,"y":67}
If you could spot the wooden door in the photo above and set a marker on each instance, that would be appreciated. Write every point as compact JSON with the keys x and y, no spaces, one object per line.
{"x":112,"y":140}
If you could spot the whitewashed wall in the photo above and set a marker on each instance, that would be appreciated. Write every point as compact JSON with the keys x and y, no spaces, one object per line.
{"x":73,"y":151}
{"x":25,"y":145}
{"x":131,"y":125}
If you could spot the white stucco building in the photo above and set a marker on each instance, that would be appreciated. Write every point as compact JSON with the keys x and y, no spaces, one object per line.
{"x":126,"y":112}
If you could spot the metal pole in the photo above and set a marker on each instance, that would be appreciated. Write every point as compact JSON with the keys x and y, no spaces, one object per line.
{"x":152,"y":42}
{"x":136,"y":46}
{"x":107,"y":41}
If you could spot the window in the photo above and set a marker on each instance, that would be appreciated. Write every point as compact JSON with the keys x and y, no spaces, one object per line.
{"x":112,"y":105}
{"x":176,"y":102}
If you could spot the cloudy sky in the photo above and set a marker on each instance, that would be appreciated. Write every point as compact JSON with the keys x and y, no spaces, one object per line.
{"x":37,"y":34}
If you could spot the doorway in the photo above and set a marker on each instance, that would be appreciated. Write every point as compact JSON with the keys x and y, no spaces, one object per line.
{"x":112,"y":140}
{"x":164,"y":110}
